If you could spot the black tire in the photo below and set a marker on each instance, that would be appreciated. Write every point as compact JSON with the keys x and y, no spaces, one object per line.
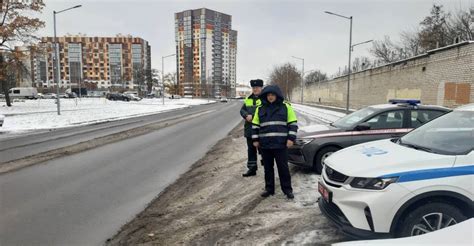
{"x":322,"y":154}
{"x":414,"y":224}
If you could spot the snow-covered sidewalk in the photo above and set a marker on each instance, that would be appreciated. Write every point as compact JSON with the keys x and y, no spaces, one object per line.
{"x":324,"y":115}
{"x":41,"y":114}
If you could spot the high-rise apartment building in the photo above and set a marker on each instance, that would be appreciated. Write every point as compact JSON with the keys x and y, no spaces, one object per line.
{"x":206,"y":48}
{"x":121,"y":62}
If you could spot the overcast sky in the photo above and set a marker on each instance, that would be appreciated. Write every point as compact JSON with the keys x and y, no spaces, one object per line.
{"x":269,"y":31}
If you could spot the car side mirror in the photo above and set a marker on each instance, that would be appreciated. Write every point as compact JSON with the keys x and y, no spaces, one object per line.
{"x":364,"y":126}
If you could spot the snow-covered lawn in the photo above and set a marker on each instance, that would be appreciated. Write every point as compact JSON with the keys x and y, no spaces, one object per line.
{"x":324,"y":115}
{"x":41,"y":114}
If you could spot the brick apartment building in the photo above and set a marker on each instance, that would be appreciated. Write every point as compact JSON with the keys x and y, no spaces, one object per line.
{"x":113,"y":63}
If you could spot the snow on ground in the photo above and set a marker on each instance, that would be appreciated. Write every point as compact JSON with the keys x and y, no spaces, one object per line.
{"x":311,"y":119}
{"x":306,"y":181}
{"x":324,"y":115}
{"x":41,"y":114}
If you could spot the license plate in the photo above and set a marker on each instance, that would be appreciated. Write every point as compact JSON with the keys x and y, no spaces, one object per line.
{"x":325,"y":193}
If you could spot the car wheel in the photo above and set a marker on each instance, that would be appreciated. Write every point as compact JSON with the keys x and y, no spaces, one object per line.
{"x":430,"y":217}
{"x":321,"y":156}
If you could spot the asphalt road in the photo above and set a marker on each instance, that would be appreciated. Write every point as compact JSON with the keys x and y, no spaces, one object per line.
{"x":83,"y":199}
{"x":14,"y":147}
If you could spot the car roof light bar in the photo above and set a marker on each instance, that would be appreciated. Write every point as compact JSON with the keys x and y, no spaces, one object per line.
{"x":413,"y":102}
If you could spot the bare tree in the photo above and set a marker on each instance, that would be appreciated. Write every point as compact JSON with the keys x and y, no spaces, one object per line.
{"x":155,"y":79}
{"x":170,"y":83}
{"x":461,"y":25}
{"x":411,"y":44}
{"x":17,"y":27}
{"x":361,"y":63}
{"x":315,"y":76}
{"x":385,"y":50}
{"x":436,"y":30}
{"x":287,"y":77}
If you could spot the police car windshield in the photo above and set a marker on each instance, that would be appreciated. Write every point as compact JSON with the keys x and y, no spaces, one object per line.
{"x":451,"y":134}
{"x":348,"y":121}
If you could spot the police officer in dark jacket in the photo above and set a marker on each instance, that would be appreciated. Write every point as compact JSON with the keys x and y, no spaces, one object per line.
{"x":247,"y":111}
{"x":273,"y":131}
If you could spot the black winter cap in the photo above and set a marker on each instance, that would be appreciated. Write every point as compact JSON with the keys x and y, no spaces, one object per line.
{"x":256,"y":82}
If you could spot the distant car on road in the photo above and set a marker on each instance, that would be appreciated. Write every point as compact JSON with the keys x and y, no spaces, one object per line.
{"x":419,"y":183}
{"x":151,"y":95}
{"x":224,"y":100}
{"x":117,"y":97}
{"x":133,"y":97}
{"x":68,"y":95}
{"x":23,"y":92}
{"x":315,"y":143}
{"x":49,"y":96}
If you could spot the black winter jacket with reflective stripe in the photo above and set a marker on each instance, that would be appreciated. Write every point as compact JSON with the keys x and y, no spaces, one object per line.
{"x":274,"y":123}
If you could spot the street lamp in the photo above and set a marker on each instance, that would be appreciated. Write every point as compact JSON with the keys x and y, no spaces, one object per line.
{"x":302,"y":76}
{"x":208,"y":74}
{"x":350,"y":48}
{"x":354,"y":45}
{"x":163,"y":75}
{"x":56,"y":55}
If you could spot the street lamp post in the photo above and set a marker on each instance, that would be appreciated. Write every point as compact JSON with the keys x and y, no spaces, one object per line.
{"x":287,"y":91}
{"x":354,"y":45}
{"x":163,"y":76}
{"x":207,"y":85}
{"x":56,"y":55}
{"x":350,"y":49}
{"x":302,"y":76}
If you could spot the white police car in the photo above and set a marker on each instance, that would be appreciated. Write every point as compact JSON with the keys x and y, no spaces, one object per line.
{"x":419,"y":183}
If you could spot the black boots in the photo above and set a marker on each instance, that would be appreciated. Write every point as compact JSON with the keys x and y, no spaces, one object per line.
{"x":290,"y":195}
{"x":249,"y":173}
{"x":267,"y":194}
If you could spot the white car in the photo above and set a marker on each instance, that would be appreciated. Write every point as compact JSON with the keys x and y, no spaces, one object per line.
{"x":133,"y":97}
{"x":461,"y":231}
{"x":23,"y":92}
{"x":49,"y":96}
{"x":419,"y":183}
{"x":2,"y":118}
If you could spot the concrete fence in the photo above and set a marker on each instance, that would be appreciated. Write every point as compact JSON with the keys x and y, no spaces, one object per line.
{"x":443,"y":76}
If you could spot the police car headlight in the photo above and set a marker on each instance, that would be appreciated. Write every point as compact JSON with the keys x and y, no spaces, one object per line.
{"x":303,"y":141}
{"x":373,"y":183}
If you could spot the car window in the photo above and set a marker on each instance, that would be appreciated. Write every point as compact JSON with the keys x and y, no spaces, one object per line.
{"x":16,"y":91}
{"x":350,"y":119}
{"x":387,"y":120}
{"x":452,"y":133}
{"x":420,"y":117}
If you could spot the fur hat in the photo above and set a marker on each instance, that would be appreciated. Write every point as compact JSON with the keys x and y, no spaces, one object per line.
{"x":256,"y":83}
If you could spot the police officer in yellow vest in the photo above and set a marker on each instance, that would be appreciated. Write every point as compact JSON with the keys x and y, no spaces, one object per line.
{"x":273,"y":131}
{"x":247,"y":111}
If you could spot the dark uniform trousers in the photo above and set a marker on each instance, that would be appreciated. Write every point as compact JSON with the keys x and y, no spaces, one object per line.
{"x":252,"y":156}
{"x":280,"y":156}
